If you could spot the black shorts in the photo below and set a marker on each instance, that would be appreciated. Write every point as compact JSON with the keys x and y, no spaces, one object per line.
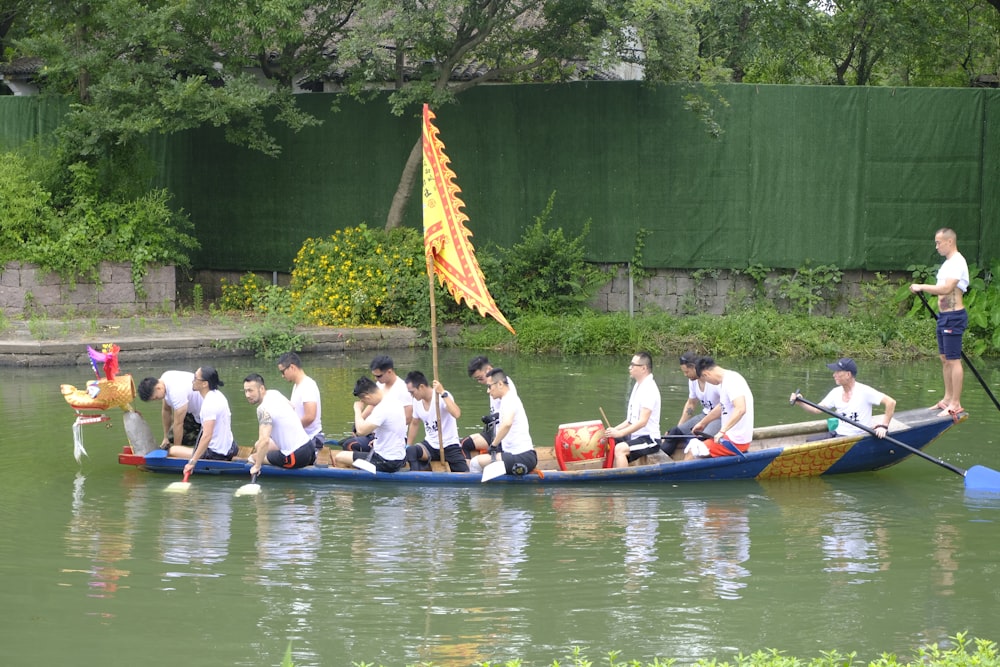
{"x":212,"y":455}
{"x":641,"y":446}
{"x":300,"y":458}
{"x":526,"y":461}
{"x":381,"y":464}
{"x":453,"y":454}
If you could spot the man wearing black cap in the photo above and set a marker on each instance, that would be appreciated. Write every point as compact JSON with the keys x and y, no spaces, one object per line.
{"x":853,"y":400}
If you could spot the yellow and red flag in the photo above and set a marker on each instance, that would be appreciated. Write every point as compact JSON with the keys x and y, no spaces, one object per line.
{"x":446,"y":238}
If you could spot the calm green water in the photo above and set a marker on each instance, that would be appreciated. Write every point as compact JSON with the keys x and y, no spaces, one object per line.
{"x":100,"y":566}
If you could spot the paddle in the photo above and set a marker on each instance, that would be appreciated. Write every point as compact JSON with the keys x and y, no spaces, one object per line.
{"x":977,"y":477}
{"x":964,"y":358}
{"x":366,"y":463}
{"x":495,"y":468}
{"x":251,"y":489}
{"x":180,"y":487}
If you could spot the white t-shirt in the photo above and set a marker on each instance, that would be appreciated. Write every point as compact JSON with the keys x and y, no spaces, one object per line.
{"x":955,"y":267}
{"x":858,"y":409}
{"x":307,"y":391}
{"x":286,"y":425}
{"x":495,"y":402}
{"x":645,"y":394}
{"x":428,"y":415}
{"x":398,"y":390}
{"x":178,"y":392}
{"x":390,"y":429}
{"x":518,"y":439}
{"x":733,"y":386}
{"x":215,"y":407}
{"x":708,"y":397}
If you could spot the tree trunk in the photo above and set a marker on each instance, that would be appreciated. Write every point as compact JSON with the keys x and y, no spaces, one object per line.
{"x":405,"y":187}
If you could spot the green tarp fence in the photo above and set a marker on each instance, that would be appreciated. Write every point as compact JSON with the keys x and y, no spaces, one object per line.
{"x":860,"y":178}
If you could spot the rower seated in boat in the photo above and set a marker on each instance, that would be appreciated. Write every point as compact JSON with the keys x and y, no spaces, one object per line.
{"x":735,"y":408}
{"x":854,"y":400}
{"x":512,"y":439}
{"x":639,"y":434}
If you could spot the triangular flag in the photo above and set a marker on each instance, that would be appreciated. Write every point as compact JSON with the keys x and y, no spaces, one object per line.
{"x":446,"y":238}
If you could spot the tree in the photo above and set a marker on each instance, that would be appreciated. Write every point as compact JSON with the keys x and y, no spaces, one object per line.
{"x":153,"y":67}
{"x":419,"y":45}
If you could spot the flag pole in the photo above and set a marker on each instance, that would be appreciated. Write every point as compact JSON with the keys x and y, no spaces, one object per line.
{"x":434,"y":350}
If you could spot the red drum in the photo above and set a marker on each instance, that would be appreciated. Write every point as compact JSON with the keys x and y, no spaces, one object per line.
{"x":583,"y":441}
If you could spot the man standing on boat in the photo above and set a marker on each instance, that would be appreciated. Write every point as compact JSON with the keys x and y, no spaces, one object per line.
{"x":305,"y":397}
{"x":479,"y":370}
{"x":427,"y":401}
{"x":853,"y":400}
{"x":377,"y":412}
{"x":735,"y":409}
{"x":281,"y":440}
{"x":512,"y":438}
{"x":181,"y":406}
{"x":639,"y":434}
{"x":952,"y":283}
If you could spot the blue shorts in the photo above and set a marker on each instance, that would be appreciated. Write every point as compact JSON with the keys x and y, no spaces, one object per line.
{"x":950,"y":327}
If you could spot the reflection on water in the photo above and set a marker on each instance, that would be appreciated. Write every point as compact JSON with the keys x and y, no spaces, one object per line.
{"x":716,"y":544}
{"x":458,"y":576}
{"x":104,"y":544}
{"x":195,"y":531}
{"x":853,"y":543}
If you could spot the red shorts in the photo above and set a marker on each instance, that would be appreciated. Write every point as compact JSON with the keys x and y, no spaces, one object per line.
{"x":718,"y":449}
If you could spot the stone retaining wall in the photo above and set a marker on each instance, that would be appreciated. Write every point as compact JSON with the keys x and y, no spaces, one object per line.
{"x":687,"y":292}
{"x":671,"y":291}
{"x":27,"y":291}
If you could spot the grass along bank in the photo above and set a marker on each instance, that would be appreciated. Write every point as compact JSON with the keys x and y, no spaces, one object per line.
{"x":760,"y":332}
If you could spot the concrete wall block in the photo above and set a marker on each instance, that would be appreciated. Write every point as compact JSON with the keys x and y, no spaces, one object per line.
{"x":656,"y":285}
{"x":685,"y":285}
{"x":106,"y":271}
{"x":121,"y":273}
{"x":617,"y":302}
{"x":12,"y":299}
{"x":45,"y":295}
{"x":117,"y":293}
{"x":163,"y":275}
{"x":716,"y":305}
{"x":159,"y":295}
{"x":82,"y":294}
{"x":11,"y":276}
{"x":29,"y":275}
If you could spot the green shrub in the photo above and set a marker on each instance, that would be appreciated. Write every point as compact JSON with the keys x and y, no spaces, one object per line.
{"x":545,"y":272}
{"x":72,"y":233}
{"x":245,"y":296}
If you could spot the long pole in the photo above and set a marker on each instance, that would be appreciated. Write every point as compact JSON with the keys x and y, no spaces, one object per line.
{"x":964,"y":358}
{"x":434,"y":351}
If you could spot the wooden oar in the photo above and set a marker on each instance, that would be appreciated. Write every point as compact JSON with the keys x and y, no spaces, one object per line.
{"x":964,"y":358}
{"x":251,"y":489}
{"x":180,"y":487}
{"x":977,"y":477}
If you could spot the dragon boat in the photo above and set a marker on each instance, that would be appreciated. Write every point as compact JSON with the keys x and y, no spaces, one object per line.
{"x":579,"y":455}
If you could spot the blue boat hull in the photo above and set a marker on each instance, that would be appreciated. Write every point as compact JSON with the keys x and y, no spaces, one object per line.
{"x":802,"y":459}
